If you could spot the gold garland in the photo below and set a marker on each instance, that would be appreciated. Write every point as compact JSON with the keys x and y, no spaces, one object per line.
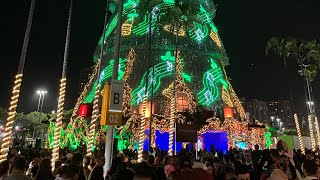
{"x":58,"y":124}
{"x":127,"y":94}
{"x":11,"y":114}
{"x":84,"y":92}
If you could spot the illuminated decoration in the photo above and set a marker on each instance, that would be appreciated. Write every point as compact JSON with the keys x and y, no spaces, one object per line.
{"x":268,"y":138}
{"x":126,"y":28}
{"x":84,"y":92}
{"x":168,"y":91}
{"x":84,"y":110}
{"x":142,"y":129}
{"x":210,"y":93}
{"x":106,"y":74}
{"x":195,"y":74}
{"x":183,"y":102}
{"x":181,"y":87}
{"x":172,"y":29}
{"x":299,"y":133}
{"x":199,"y":32}
{"x":127,"y":94}
{"x":93,"y":123}
{"x":226,"y":97}
{"x":58,"y":123}
{"x":50,"y":135}
{"x":228,"y":112}
{"x":316,"y":123}
{"x":215,"y":38}
{"x":146,"y":107}
{"x":161,"y":70}
{"x":313,"y":143}
{"x":171,"y":123}
{"x":10,"y":119}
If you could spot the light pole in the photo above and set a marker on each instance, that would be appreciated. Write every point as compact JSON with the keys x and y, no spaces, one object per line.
{"x":310,"y":106}
{"x":41,"y":94}
{"x":278,"y":120}
{"x":280,"y":125}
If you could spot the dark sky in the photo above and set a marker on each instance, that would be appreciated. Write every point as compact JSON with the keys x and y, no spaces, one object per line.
{"x":244,"y":27}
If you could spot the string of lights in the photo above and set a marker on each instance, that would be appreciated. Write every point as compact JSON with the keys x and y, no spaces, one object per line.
{"x":142,"y":129}
{"x":316,"y":123}
{"x":313,"y":143}
{"x":299,"y":133}
{"x":58,"y":123}
{"x":93,"y":123}
{"x":10,"y":119}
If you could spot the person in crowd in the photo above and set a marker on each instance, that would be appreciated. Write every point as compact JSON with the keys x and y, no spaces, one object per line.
{"x":97,"y":172}
{"x":289,"y":169}
{"x":86,"y":164}
{"x":309,"y":168}
{"x":65,"y":173}
{"x":45,"y":171}
{"x":243,"y":173}
{"x":77,"y":160}
{"x":57,"y":166}
{"x":210,"y":169}
{"x":150,"y":160}
{"x":19,"y":170}
{"x":143,"y":172}
{"x":283,"y":150}
{"x":4,"y":169}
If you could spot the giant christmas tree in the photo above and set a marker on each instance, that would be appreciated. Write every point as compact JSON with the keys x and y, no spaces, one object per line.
{"x":171,"y":56}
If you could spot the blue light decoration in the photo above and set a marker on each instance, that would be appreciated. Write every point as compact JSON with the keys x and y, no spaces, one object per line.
{"x":218,"y":140}
{"x":241,"y":145}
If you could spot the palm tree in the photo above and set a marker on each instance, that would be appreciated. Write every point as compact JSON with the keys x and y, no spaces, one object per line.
{"x":16,"y":89}
{"x":62,"y":92}
{"x":307,"y":55}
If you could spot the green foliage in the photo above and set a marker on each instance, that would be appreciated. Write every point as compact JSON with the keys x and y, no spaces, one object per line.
{"x":304,"y":52}
{"x":32,"y":121}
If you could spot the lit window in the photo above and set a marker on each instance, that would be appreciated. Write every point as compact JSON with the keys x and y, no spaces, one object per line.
{"x":183,"y":104}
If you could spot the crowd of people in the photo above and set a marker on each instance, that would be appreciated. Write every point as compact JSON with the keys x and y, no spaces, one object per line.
{"x":272,"y":164}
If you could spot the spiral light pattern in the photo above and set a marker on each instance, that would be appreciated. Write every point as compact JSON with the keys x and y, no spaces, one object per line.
{"x":142,"y":128}
{"x":316,"y":123}
{"x":93,"y":123}
{"x":58,"y":123}
{"x":11,"y":114}
{"x":313,"y":143}
{"x":171,"y":124}
{"x":299,"y":133}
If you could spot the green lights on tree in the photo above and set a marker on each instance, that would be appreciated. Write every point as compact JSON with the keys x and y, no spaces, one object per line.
{"x":211,"y":92}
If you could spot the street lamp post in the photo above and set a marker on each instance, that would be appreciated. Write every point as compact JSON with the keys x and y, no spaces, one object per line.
{"x":278,"y":120}
{"x":41,"y":94}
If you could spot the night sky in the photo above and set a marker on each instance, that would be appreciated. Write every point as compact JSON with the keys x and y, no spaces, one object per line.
{"x":244,"y":27}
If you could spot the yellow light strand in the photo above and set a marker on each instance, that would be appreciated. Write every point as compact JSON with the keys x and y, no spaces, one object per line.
{"x":215,"y":38}
{"x":316,"y":123}
{"x":171,"y":29}
{"x":11,"y":114}
{"x":299,"y":133}
{"x":127,"y":92}
{"x":142,"y":129}
{"x":58,"y":124}
{"x":93,"y":123}
{"x":84,"y":92}
{"x":181,"y":87}
{"x":226,"y":97}
{"x":126,"y":28}
{"x":171,"y":124}
{"x":313,"y":143}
